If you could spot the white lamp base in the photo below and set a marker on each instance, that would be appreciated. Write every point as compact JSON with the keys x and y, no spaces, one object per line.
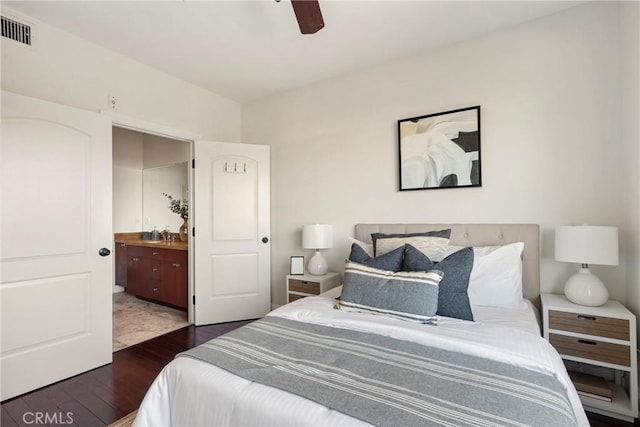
{"x":584,"y":288}
{"x":317,"y":265}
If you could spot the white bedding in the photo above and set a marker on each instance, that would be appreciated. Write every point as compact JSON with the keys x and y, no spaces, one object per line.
{"x":190,"y":392}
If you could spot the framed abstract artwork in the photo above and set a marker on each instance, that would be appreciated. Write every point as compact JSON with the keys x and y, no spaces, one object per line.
{"x":440,"y":150}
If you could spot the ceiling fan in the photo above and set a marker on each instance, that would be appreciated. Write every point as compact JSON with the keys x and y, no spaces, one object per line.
{"x":308,"y":15}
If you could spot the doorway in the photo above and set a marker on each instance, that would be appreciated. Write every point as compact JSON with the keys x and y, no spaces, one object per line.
{"x":149,"y":171}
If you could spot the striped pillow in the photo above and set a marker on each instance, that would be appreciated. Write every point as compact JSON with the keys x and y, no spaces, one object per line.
{"x":431,"y":243}
{"x":406,"y":295}
{"x":433,"y":247}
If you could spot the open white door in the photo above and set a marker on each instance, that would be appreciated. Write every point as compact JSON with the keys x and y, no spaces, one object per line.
{"x":232,"y":277}
{"x":55,"y":287}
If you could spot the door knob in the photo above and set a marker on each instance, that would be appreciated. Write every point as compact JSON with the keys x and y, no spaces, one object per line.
{"x":104,"y":252}
{"x":265,"y":240}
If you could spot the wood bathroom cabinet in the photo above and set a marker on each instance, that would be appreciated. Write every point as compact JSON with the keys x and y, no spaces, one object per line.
{"x":158,"y":274}
{"x":121,"y":264}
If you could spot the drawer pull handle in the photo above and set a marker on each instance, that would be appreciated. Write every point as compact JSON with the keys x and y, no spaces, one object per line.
{"x":135,"y":259}
{"x":155,"y":289}
{"x":155,"y":269}
{"x":176,"y":265}
{"x":587,"y":342}
{"x":583,"y":317}
{"x":155,"y":253}
{"x":304,"y":282}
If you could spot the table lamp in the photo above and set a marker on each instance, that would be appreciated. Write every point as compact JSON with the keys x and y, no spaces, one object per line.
{"x":317,"y":236}
{"x":586,"y":244}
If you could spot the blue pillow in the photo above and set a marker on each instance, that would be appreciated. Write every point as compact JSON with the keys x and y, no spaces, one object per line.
{"x":453,"y":300}
{"x":391,"y":261}
{"x":411,"y":295}
{"x":358,"y":254}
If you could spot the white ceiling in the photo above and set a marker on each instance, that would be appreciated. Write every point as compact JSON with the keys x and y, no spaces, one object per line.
{"x":245,"y":50}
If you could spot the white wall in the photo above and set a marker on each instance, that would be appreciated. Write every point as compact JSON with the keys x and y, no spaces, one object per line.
{"x":63,"y":68}
{"x":170,"y":179}
{"x":552,"y":148}
{"x":127,"y":180}
{"x":159,"y":151}
{"x":555,"y":133}
{"x":135,"y":156}
{"x":630,"y":27}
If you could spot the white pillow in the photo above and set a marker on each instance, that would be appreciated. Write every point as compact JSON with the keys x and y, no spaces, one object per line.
{"x":496,"y":276}
{"x":367,"y":247}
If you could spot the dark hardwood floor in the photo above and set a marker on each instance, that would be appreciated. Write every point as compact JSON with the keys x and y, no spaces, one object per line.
{"x":597,"y":420}
{"x":104,"y":395}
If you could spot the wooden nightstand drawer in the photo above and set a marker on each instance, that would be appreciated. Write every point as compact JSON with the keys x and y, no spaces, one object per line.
{"x":591,"y":349}
{"x":589,"y":324}
{"x":595,"y":338}
{"x":293,"y":297}
{"x":304,"y":286}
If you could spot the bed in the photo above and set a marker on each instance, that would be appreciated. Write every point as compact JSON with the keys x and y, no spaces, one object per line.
{"x":309,"y":363}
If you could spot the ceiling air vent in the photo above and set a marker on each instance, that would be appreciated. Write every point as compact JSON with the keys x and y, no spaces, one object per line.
{"x":17,"y":31}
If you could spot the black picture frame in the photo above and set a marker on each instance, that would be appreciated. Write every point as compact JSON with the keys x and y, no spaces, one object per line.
{"x":440,"y":150}
{"x":296,"y":266}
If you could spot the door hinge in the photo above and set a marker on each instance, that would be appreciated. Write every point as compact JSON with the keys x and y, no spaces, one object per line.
{"x":194,"y":300}
{"x":193,"y":231}
{"x":193,"y":163}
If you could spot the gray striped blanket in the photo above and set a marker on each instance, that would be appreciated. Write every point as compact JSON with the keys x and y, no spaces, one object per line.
{"x":386,"y":381}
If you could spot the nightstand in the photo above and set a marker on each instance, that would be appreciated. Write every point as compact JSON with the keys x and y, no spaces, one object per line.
{"x":603,"y":337}
{"x":307,"y":285}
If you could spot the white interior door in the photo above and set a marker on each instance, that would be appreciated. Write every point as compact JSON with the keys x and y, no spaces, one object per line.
{"x":55,"y":288}
{"x":232,"y":231}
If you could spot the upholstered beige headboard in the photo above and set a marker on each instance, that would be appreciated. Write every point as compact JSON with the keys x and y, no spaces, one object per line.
{"x":480,"y":235}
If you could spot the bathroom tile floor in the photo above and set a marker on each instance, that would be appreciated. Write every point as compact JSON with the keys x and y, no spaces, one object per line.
{"x":135,"y":320}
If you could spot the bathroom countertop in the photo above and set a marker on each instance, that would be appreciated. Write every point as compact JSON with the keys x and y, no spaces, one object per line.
{"x":134,"y":239}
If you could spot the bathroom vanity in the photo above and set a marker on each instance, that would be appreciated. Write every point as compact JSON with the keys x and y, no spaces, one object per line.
{"x":153,"y":270}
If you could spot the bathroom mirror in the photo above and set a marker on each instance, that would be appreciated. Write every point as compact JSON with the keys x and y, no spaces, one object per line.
{"x":171,"y":179}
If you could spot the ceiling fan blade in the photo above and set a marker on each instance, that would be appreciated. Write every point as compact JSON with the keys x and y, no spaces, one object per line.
{"x":308,"y":15}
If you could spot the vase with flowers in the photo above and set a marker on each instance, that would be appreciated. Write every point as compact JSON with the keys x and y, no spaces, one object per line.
{"x":180,"y":207}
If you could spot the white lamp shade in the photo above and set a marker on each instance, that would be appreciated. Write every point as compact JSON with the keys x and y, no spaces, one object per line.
{"x":587,"y":244}
{"x":317,"y":236}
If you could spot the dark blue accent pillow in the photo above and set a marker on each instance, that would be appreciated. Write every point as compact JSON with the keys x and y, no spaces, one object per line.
{"x":391,"y":261}
{"x":437,"y":233}
{"x":453,"y":300}
{"x":358,"y":254}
